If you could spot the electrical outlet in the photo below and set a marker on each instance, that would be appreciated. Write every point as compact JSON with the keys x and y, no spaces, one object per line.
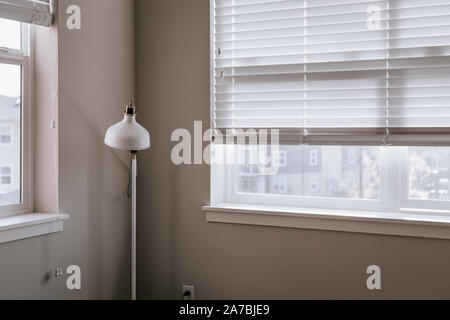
{"x":59,"y":272}
{"x":188,"y":292}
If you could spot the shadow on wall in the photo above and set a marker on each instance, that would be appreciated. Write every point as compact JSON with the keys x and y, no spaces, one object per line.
{"x":105,"y":168}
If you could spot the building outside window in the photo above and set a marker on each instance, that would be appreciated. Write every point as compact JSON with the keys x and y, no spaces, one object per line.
{"x":6,"y":175}
{"x":6,"y":134}
{"x":313,"y":158}
{"x":15,"y":128}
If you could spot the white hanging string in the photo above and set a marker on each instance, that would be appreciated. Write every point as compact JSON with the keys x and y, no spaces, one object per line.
{"x":387,"y":130}
{"x":305,"y":70}
{"x":233,"y":71}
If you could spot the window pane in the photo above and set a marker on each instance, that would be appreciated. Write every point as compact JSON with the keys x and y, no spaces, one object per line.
{"x":10,"y":134}
{"x":313,"y":171}
{"x":429,"y":173}
{"x":10,"y":34}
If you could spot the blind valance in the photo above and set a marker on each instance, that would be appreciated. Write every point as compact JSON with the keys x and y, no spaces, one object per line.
{"x":367,"y":71}
{"x":27,"y":11}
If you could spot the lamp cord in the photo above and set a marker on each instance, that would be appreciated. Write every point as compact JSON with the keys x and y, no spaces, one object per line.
{"x":130,"y":187}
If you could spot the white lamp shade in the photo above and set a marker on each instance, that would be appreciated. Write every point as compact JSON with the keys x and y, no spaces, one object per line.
{"x":128,"y":135}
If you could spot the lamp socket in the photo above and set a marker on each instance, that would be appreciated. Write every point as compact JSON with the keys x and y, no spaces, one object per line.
{"x":188,"y":292}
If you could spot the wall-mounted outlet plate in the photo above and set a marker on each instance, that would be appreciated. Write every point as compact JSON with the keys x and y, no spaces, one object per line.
{"x":188,"y":289}
{"x":59,"y":272}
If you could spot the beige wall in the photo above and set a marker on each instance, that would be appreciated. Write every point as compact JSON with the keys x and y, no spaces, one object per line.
{"x":176,"y":244}
{"x":96,"y":79}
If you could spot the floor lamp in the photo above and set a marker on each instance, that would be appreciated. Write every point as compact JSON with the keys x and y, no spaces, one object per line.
{"x":128,"y":135}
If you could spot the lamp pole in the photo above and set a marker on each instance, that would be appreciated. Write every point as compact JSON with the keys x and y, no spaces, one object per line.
{"x":133,"y":223}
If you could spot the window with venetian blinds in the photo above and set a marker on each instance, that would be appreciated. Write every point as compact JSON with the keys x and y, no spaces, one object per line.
{"x":334,"y":71}
{"x":28,"y":11}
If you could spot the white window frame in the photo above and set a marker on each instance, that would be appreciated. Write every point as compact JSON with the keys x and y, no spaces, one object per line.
{"x":394,"y":175}
{"x":24,"y":59}
{"x":230,"y":194}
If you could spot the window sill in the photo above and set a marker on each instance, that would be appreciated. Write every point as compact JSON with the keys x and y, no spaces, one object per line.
{"x":30,"y":225}
{"x":423,"y":226}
